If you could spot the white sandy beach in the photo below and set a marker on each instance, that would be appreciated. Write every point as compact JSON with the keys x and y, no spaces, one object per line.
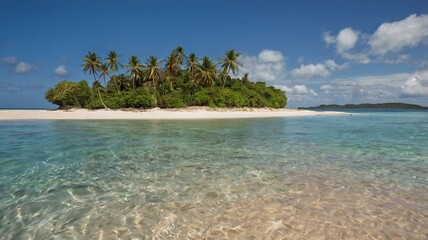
{"x":157,"y":114}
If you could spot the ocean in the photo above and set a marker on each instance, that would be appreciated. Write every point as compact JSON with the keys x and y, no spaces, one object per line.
{"x":362,"y":176}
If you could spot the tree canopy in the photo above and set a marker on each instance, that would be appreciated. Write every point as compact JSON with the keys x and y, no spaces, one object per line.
{"x":178,"y":81}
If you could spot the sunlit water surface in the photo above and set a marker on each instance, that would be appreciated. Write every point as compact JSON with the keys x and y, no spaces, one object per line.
{"x":360,"y":176}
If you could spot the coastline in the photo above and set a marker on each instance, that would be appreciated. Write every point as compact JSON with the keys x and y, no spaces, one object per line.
{"x":159,"y":114}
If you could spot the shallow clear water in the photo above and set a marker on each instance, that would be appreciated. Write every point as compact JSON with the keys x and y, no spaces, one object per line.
{"x":360,"y":176}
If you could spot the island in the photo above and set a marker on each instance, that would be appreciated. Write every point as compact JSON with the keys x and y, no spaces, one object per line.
{"x":177,"y":82}
{"x":367,"y":106}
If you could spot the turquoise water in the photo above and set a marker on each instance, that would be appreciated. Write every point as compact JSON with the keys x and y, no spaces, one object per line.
{"x":361,"y":176}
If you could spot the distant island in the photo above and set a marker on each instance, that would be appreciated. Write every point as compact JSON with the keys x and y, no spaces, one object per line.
{"x":368,"y":106}
{"x":177,"y":82}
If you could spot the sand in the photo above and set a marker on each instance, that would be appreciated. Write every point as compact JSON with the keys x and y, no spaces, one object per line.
{"x":157,"y":114}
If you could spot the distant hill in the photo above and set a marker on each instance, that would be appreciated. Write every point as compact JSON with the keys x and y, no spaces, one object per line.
{"x":369,"y":106}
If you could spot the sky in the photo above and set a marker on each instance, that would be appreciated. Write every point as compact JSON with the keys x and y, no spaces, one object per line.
{"x":318,"y":52}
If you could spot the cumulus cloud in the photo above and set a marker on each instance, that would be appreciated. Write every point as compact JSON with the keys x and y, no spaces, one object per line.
{"x":298,"y":89}
{"x":60,"y":71}
{"x":346,"y":39}
{"x":416,"y":85}
{"x":389,"y":38}
{"x":8,"y":60}
{"x":317,"y":70}
{"x":310,"y":71}
{"x":344,"y":42}
{"x":299,"y":95}
{"x":268,"y":66}
{"x":270,"y":56}
{"x":394,"y":36}
{"x":24,"y":68}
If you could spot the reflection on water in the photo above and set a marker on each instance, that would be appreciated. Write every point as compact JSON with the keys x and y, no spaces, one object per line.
{"x":363,"y":177}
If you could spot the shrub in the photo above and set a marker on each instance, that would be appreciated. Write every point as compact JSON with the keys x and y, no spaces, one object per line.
{"x":69,"y":94}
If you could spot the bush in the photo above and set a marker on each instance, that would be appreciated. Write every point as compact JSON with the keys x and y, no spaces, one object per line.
{"x":69,"y":94}
{"x":172,"y":100}
{"x":141,"y":98}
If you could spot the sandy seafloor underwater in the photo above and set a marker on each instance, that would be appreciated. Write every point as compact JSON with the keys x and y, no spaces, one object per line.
{"x":327,"y":177}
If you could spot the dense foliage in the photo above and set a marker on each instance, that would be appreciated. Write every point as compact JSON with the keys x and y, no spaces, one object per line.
{"x":178,"y":82}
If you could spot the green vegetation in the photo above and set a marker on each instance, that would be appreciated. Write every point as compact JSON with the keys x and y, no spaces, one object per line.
{"x":176,"y":82}
{"x":369,"y":105}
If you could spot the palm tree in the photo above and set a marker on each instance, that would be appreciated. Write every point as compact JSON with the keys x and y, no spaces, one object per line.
{"x":135,"y":69}
{"x":96,"y":85}
{"x":91,"y":63}
{"x":153,"y":70}
{"x":113,"y":64}
{"x":224,"y":77}
{"x":229,"y":62}
{"x":179,"y":52}
{"x":206,"y":72}
{"x":172,"y":67}
{"x":192,"y":64}
{"x":104,"y":71}
{"x":112,"y":61}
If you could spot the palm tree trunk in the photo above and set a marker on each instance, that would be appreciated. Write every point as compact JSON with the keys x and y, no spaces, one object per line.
{"x":117,"y":87}
{"x":101,"y":99}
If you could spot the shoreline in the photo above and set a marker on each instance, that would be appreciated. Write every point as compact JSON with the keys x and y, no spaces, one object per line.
{"x":190,"y":113}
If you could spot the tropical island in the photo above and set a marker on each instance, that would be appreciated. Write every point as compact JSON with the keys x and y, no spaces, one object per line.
{"x":177,"y":82}
{"x":368,"y":106}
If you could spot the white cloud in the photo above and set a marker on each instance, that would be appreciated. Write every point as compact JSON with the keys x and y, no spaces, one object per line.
{"x":326,"y":88}
{"x":407,"y":87}
{"x":297,"y":89}
{"x":416,"y":85}
{"x":394,"y":36}
{"x":332,"y":65}
{"x":24,"y":68}
{"x":328,"y":38}
{"x":389,"y":38}
{"x":310,"y":71}
{"x":268,"y":66}
{"x":60,"y":71}
{"x":8,"y":60}
{"x":344,"y":42}
{"x":299,"y":94}
{"x":322,"y":70}
{"x":270,"y":56}
{"x":346,"y":39}
{"x":357,"y":57}
{"x":399,"y":59}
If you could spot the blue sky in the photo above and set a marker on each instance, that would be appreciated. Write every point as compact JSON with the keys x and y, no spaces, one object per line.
{"x":317,"y":51}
